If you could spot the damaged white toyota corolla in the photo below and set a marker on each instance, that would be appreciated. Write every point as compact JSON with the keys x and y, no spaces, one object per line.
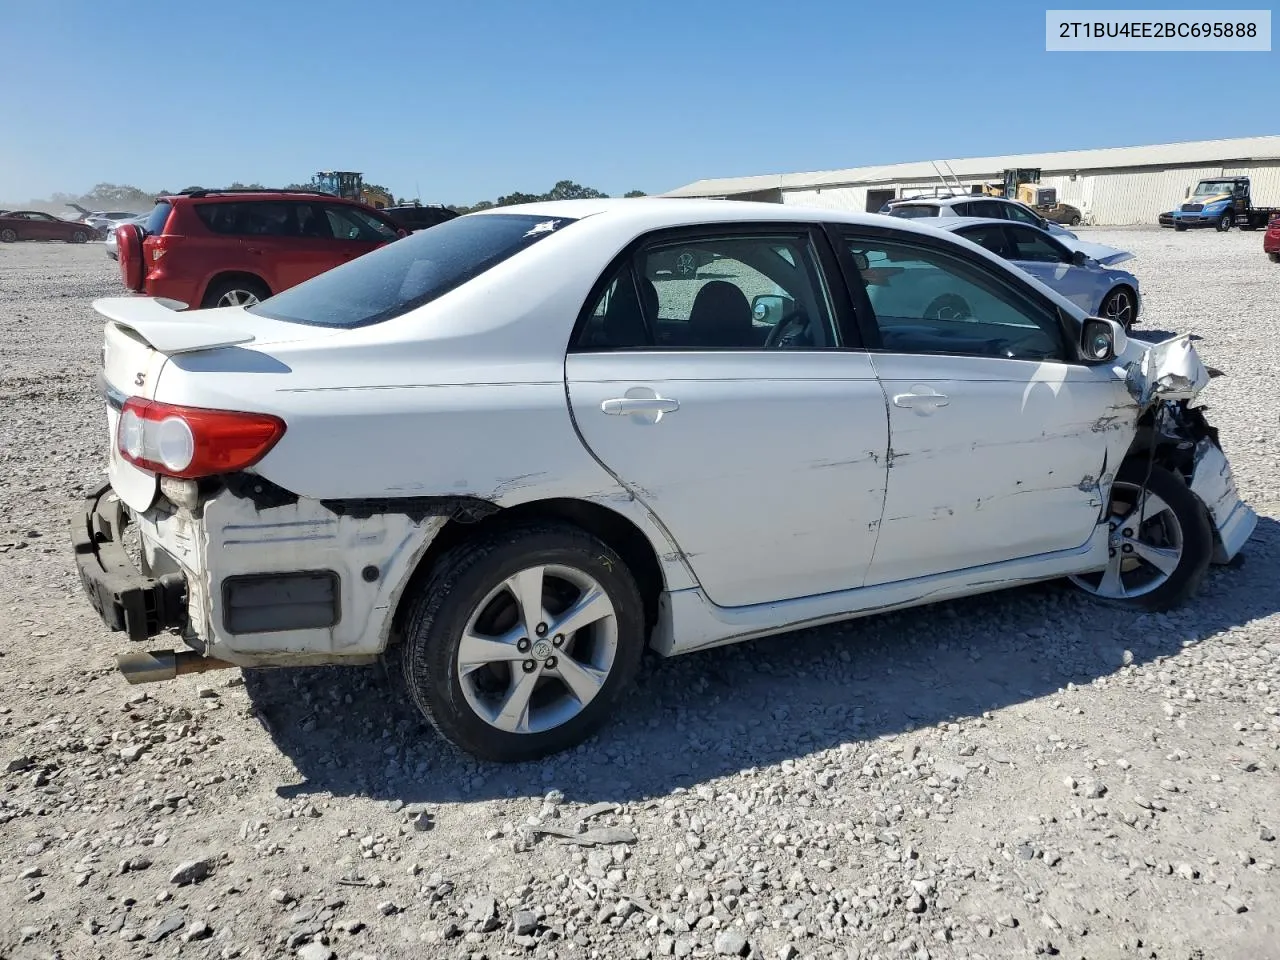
{"x":517,"y":448}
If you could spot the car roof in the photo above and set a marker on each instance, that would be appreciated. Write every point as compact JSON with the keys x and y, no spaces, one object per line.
{"x":957,"y":223}
{"x":654,"y":213}
{"x":263,"y":195}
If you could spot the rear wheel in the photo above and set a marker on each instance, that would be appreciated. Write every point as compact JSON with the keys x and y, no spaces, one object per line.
{"x":521,"y":642}
{"x":8,"y":236}
{"x":1120,"y":306}
{"x":1157,"y":558}
{"x":235,"y":292}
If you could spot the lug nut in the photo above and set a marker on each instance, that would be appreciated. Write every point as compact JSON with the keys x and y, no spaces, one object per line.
{"x":1111,"y":552}
{"x":542,"y":629}
{"x":551,"y":663}
{"x":523,"y":644}
{"x":530,"y":666}
{"x":558,"y":639}
{"x":1128,"y":533}
{"x":1127,"y":548}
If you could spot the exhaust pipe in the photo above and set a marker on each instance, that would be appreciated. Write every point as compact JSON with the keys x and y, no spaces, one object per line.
{"x":157,"y":665}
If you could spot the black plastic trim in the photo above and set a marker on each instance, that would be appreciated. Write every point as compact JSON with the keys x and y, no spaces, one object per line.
{"x":124,"y":597}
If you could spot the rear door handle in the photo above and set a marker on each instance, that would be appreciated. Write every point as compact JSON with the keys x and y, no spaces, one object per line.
{"x":622,"y":406}
{"x":919,"y":398}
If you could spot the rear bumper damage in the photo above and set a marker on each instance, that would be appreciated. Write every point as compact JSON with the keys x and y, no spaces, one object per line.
{"x":254,"y":576}
{"x":125,"y":598}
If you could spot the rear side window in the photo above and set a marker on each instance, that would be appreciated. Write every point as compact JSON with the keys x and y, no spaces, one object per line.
{"x":252,"y":219}
{"x":912,"y":211}
{"x":159,"y":216}
{"x":401,"y":276}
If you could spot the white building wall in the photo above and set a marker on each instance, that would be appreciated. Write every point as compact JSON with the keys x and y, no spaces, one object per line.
{"x":1108,"y":198}
{"x":829,"y":198}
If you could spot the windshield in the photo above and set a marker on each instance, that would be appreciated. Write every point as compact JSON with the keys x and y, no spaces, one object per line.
{"x":404,"y":275}
{"x":1212,"y":188}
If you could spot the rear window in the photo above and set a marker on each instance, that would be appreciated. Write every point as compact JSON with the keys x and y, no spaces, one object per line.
{"x":159,"y":215}
{"x":404,"y":275}
{"x":914,"y":210}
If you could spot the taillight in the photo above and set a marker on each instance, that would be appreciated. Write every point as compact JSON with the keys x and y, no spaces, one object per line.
{"x":158,"y":246}
{"x":192,"y":442}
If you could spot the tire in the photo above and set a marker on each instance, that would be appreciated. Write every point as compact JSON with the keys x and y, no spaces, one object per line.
{"x":8,"y":236}
{"x":1275,"y":257}
{"x":1149,"y":588}
{"x":79,"y":237}
{"x":235,"y":291}
{"x":468,"y":591}
{"x":1179,"y":227}
{"x":1224,"y":222}
{"x":1120,"y":305}
{"x":1075,"y":220}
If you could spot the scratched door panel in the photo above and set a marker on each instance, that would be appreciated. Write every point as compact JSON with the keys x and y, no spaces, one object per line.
{"x":1008,"y":468}
{"x":770,"y":474}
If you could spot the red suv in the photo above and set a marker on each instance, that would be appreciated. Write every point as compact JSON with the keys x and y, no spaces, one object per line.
{"x":214,"y":248}
{"x":1271,"y":239}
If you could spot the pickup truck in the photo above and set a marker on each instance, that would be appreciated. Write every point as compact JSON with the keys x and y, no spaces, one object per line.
{"x":1221,"y":202}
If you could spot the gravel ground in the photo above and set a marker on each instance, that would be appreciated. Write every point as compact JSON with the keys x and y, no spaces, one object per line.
{"x":1018,"y":774}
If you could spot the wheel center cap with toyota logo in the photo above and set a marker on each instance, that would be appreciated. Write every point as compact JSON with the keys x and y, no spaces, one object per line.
{"x":542,"y":649}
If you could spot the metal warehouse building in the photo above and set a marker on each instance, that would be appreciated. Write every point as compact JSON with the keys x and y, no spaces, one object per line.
{"x":1112,"y":186}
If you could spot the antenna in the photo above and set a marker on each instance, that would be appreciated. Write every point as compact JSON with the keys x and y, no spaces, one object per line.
{"x":959,"y":185}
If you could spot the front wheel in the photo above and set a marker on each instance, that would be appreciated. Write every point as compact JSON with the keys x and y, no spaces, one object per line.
{"x":1120,"y":306}
{"x":1275,"y":257}
{"x":1225,"y":221}
{"x":1179,"y":227}
{"x":1075,"y":220}
{"x":1161,"y":542}
{"x":521,"y":642}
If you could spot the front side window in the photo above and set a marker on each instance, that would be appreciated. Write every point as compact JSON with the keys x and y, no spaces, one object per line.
{"x":399,"y":277}
{"x":1035,"y":246}
{"x":352,"y":223}
{"x":721,"y":293}
{"x":927,"y":301}
{"x":990,"y":236}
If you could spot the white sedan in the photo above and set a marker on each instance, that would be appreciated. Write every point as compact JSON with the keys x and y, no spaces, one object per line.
{"x":515,"y":450}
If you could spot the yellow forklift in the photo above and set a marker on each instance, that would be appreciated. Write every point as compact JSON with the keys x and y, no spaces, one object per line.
{"x":349,"y":185}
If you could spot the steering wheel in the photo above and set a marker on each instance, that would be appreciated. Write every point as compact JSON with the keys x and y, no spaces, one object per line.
{"x":948,"y":306}
{"x":788,"y":330}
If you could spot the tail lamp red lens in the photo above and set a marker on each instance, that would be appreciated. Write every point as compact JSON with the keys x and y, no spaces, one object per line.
{"x":193,"y":442}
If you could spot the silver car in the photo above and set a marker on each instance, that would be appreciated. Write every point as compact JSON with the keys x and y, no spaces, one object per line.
{"x":1083,"y":272}
{"x":112,"y":252}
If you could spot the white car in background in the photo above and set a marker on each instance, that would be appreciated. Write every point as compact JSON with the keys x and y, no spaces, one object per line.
{"x":516,"y":449}
{"x":1088,"y":279}
{"x":972,"y":205}
{"x":139,"y":220}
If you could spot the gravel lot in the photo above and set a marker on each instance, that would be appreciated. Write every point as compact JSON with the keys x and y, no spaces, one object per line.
{"x":1018,"y":774}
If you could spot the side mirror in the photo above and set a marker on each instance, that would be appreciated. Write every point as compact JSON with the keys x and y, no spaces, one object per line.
{"x":769,"y":308}
{"x":402,"y":232}
{"x":1102,"y":340}
{"x":1079,"y":258}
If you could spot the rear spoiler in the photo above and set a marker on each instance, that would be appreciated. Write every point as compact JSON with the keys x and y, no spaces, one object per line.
{"x":156,"y":320}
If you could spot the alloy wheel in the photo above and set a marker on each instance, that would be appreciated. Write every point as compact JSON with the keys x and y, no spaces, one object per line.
{"x":1119,"y":307}
{"x":537,"y":649}
{"x":1144,"y":550}
{"x":237,"y":298}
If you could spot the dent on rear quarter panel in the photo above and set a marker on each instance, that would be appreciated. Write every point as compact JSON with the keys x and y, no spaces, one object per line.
{"x":242,"y":538}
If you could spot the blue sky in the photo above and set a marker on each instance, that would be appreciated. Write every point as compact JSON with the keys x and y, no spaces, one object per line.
{"x":464,"y":101}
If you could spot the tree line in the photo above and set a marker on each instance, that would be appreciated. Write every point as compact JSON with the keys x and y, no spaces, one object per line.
{"x":117,"y":196}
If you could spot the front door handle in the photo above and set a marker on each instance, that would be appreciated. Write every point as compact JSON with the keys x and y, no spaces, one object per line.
{"x":921,"y":398}
{"x":623,"y":406}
